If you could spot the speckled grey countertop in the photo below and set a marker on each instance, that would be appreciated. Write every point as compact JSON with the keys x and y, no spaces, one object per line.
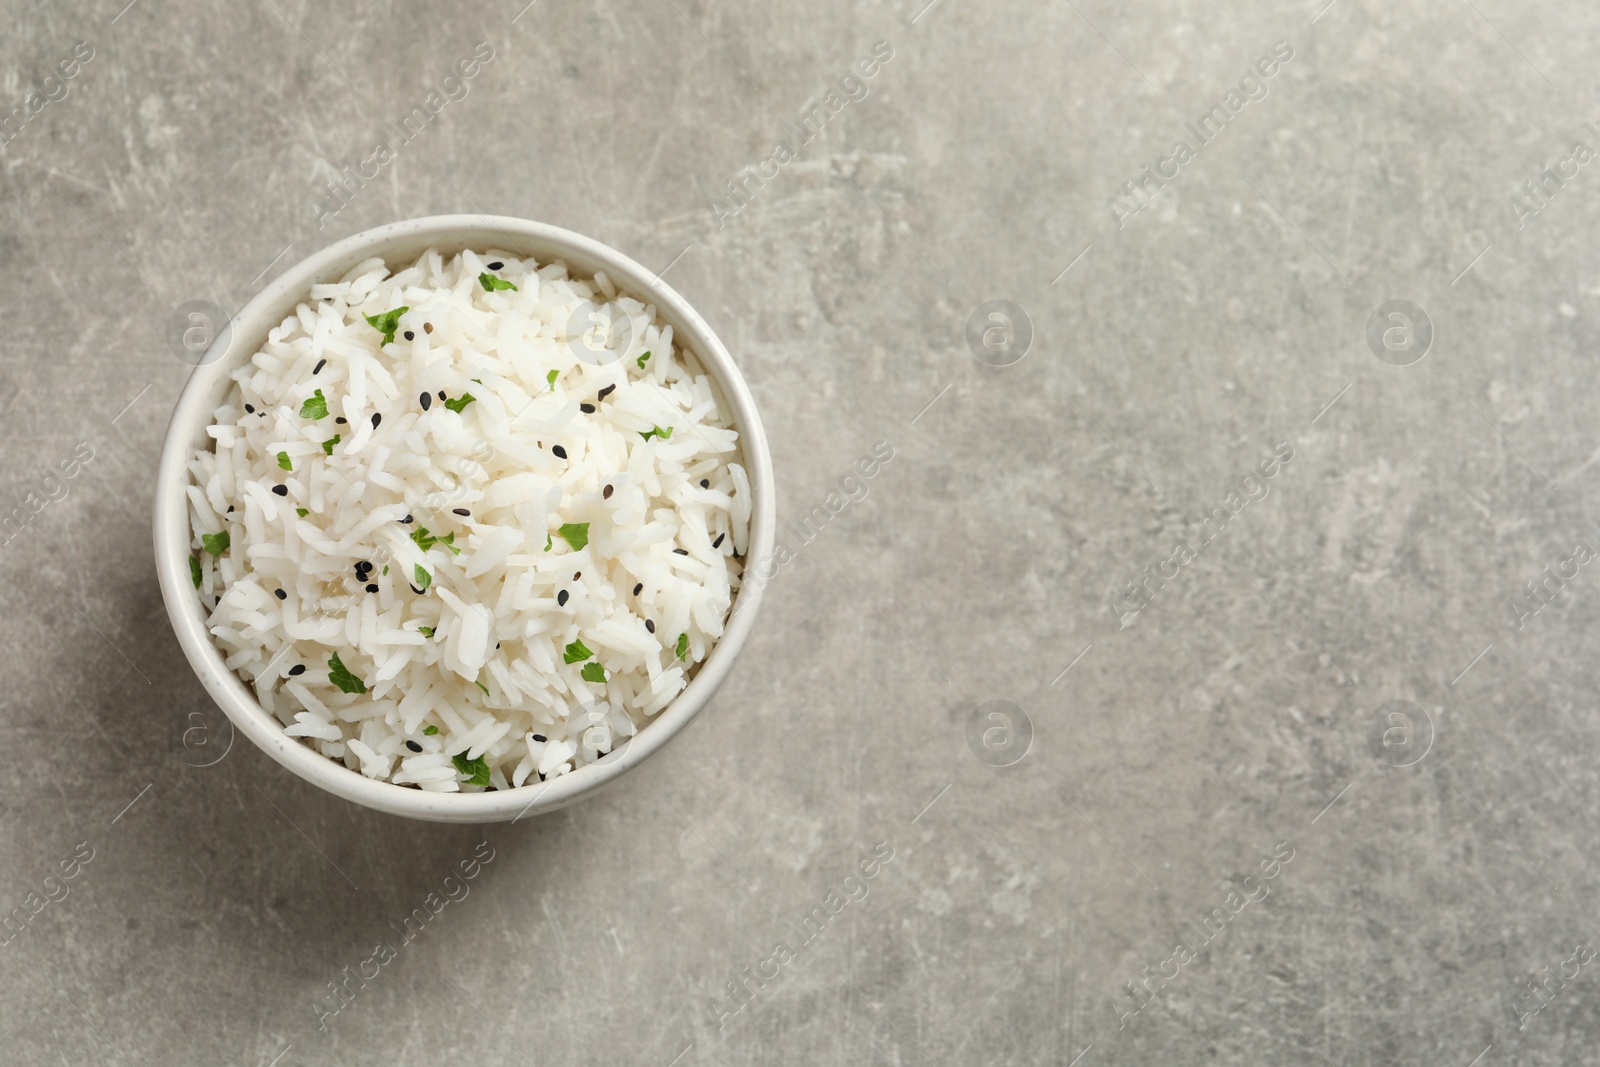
{"x":1321,"y":788}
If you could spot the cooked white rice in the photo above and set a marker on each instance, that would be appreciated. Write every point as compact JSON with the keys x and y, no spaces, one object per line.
{"x":508,"y":588}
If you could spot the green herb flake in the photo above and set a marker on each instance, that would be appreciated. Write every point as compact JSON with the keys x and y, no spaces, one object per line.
{"x":425,"y":631}
{"x":216,"y":544}
{"x":387,"y":323}
{"x":283,"y":462}
{"x":386,"y":570}
{"x":549,"y":542}
{"x":575,"y":534}
{"x":426,"y":540}
{"x":480,"y":685}
{"x":491,"y":284}
{"x":430,"y":729}
{"x":327,"y":446}
{"x":683,"y":645}
{"x":316,"y":407}
{"x":194,"y":570}
{"x":551,"y":378}
{"x":576,"y":653}
{"x":424,"y":579}
{"x":302,"y":512}
{"x":641,"y":359}
{"x":458,"y":403}
{"x":593,"y":672}
{"x":476,"y":770}
{"x":656,"y":431}
{"x":341,"y":677}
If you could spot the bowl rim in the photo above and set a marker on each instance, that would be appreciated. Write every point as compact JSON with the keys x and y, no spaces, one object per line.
{"x":244,"y":335}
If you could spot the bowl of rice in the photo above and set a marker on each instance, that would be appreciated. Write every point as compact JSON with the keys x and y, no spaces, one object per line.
{"x":453,"y":518}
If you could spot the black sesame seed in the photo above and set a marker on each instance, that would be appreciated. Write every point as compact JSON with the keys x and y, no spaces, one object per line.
{"x":410,"y":336}
{"x":561,"y":453}
{"x":297,"y":670}
{"x":426,"y":400}
{"x":561,"y":598}
{"x":249,"y":409}
{"x":230,"y":509}
{"x":718,"y":542}
{"x":427,"y":327}
{"x":376,"y":418}
{"x":587,"y":409}
{"x":281,"y":490}
{"x":650,"y":625}
{"x":497,"y":644}
{"x":460,"y":511}
{"x":419,"y":592}
{"x":281,"y":595}
{"x":496,"y":265}
{"x":605,"y":494}
{"x":318,"y":368}
{"x":607,"y":391}
{"x":407,"y":519}
{"x":373,"y":588}
{"x":705,"y":483}
{"x":340,"y":419}
{"x":541,"y":738}
{"x":442,"y":397}
{"x":576,"y":575}
{"x":638,"y":589}
{"x":681,"y":551}
{"x":413,"y":746}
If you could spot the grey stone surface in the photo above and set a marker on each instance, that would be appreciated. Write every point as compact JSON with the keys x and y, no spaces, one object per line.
{"x":1230,"y":717}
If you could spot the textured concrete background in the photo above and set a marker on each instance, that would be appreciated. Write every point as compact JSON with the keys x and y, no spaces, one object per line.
{"x":1441,"y":859}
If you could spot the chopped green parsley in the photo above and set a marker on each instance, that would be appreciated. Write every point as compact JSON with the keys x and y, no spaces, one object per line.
{"x":315,"y":407}
{"x":387,"y":323}
{"x":476,"y":770}
{"x":426,"y":540}
{"x":341,"y":677}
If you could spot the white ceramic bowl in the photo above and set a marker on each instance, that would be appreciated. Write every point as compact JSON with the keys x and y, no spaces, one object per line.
{"x":399,"y":244}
